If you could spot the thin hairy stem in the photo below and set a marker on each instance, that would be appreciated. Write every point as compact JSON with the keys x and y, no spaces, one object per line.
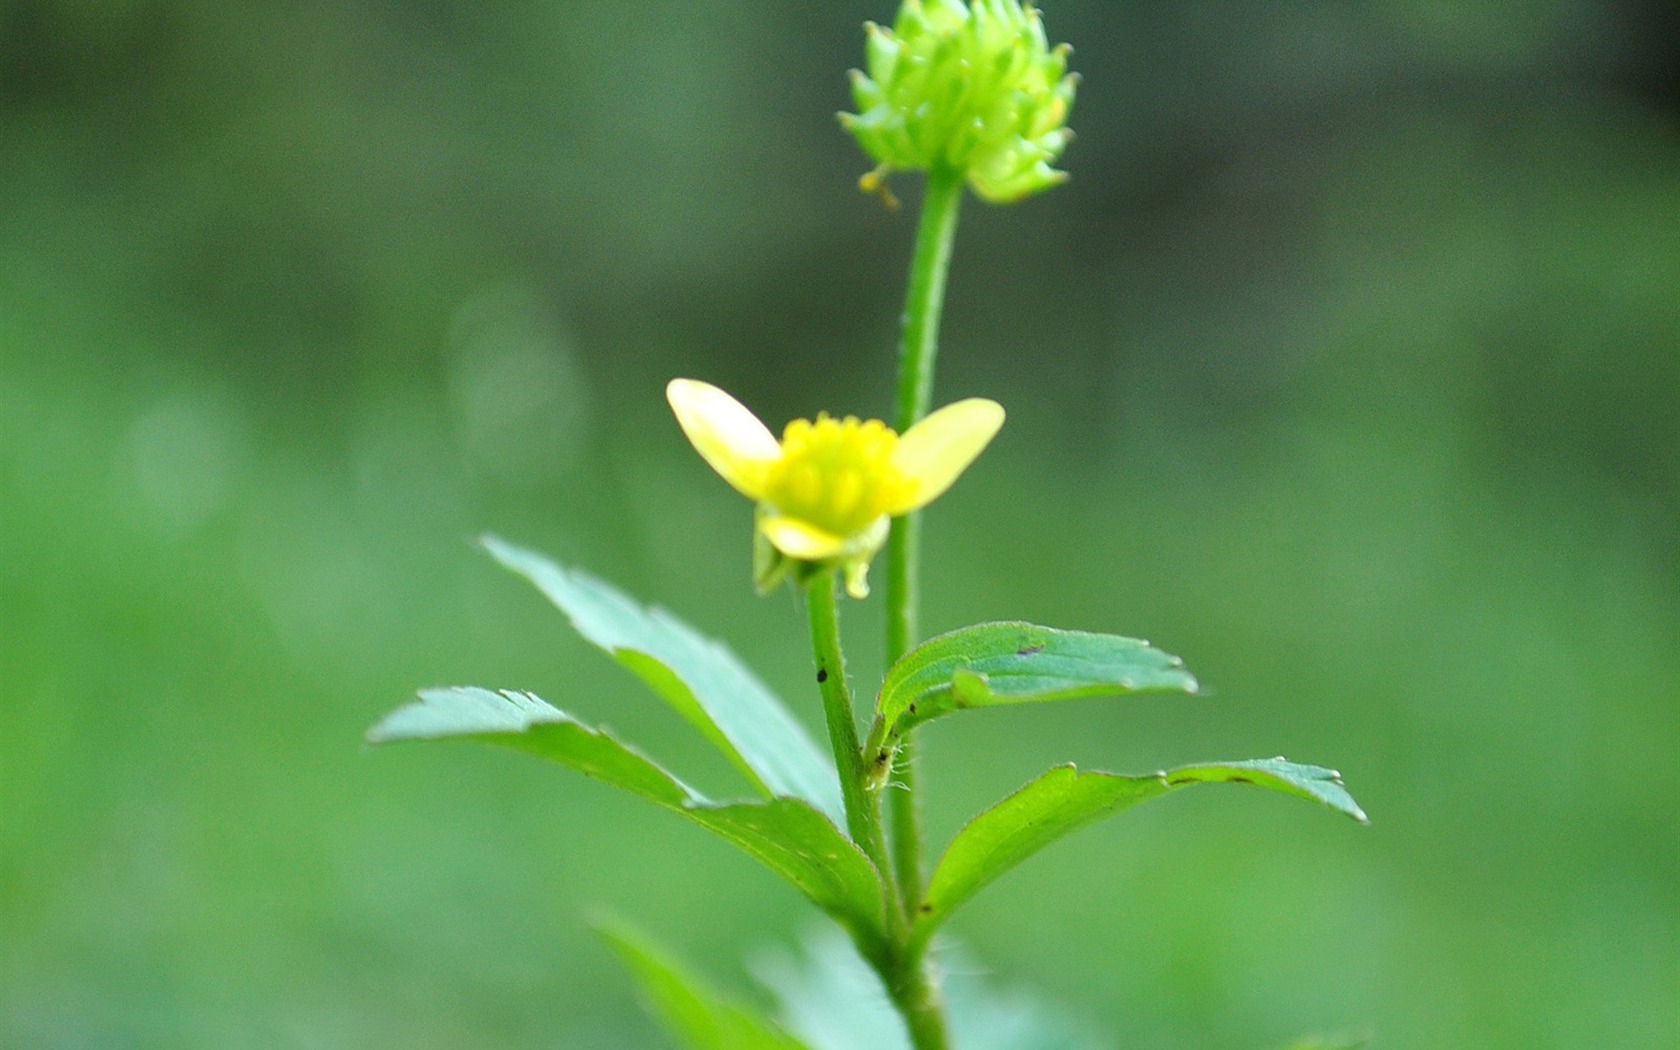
{"x":863,"y":807}
{"x":903,"y":967}
{"x":918,"y":349}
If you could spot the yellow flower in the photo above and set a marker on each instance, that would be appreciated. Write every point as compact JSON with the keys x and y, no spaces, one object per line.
{"x":827,"y":489}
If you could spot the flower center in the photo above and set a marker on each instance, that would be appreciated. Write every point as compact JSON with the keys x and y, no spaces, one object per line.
{"x":836,"y":474}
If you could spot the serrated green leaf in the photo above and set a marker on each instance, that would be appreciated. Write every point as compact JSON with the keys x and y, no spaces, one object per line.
{"x":691,"y":1010}
{"x":1064,"y":800}
{"x":525,"y":722}
{"x":786,"y":835}
{"x":699,"y":677}
{"x":1016,"y":663}
{"x":804,"y":847}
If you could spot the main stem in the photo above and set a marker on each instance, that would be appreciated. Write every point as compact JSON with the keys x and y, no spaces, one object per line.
{"x":918,"y":349}
{"x":902,"y":964}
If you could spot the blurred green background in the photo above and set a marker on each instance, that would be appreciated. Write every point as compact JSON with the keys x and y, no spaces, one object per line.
{"x":1346,"y":367}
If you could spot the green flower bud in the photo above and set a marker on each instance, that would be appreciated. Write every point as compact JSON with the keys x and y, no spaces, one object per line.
{"x":974,"y":88}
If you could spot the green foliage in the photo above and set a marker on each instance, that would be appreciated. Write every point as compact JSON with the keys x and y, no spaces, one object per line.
{"x":700,"y":678}
{"x":786,"y":835}
{"x":994,"y":663}
{"x":803,"y":847}
{"x":1064,"y":800}
{"x":1015,"y":663}
{"x":525,"y":722}
{"x":695,"y":1013}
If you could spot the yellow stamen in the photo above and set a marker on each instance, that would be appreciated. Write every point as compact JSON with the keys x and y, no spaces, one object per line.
{"x":836,"y":474}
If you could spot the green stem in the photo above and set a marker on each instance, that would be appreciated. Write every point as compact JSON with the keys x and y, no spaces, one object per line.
{"x":925,"y":299}
{"x":917,"y":997}
{"x":918,"y":349}
{"x":903,"y":967}
{"x":906,"y":824}
{"x":863,"y":808}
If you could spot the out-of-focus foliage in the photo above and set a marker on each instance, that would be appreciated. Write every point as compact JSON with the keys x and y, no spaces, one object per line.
{"x":690,"y":1010}
{"x":1344,"y":366}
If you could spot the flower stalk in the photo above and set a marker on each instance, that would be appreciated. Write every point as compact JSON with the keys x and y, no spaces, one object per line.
{"x":903,"y":964}
{"x":918,"y":350}
{"x":863,"y":807}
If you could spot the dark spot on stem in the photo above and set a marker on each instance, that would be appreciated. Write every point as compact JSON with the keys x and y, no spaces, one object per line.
{"x":1241,"y":780}
{"x":1028,"y":650}
{"x":911,"y":709}
{"x":926,"y":907}
{"x":822,"y":675}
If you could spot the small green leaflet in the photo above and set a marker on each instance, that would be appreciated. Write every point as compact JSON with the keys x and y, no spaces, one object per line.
{"x":692,"y":1011}
{"x":1016,"y":663}
{"x":786,"y":835}
{"x":1064,"y":800}
{"x":700,"y":678}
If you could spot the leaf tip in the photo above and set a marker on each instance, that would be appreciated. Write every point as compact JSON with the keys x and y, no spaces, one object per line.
{"x":385,"y":730}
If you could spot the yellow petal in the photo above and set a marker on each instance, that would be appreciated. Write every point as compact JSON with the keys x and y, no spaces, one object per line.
{"x":801,"y":540}
{"x":931,"y":454}
{"x":725,"y":433}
